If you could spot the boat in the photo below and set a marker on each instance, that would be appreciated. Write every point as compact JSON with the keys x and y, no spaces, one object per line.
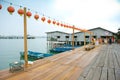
{"x":36,"y":54}
{"x":61,"y":49}
{"x":30,"y":37}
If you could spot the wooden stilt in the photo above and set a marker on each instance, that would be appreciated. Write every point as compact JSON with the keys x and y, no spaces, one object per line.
{"x":84,"y":39}
{"x":73,"y":39}
{"x":90,"y":37}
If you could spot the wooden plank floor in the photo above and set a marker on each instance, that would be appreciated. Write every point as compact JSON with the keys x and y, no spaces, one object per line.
{"x":105,"y":66}
{"x":101,"y":63}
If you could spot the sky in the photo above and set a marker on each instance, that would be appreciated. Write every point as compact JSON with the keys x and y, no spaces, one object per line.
{"x":84,"y":14}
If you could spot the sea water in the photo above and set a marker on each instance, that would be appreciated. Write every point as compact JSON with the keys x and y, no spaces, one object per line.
{"x":10,"y":49}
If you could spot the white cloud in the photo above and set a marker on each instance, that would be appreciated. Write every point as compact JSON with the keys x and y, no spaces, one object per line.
{"x":88,"y":13}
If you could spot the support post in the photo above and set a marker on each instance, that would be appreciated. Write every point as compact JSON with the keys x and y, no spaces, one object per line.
{"x":73,"y":39}
{"x":84,"y":39}
{"x":90,"y":37}
{"x":25,"y":39}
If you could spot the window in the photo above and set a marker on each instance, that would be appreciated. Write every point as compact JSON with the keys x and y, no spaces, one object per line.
{"x":67,"y":36}
{"x":58,"y":36}
{"x":94,"y":36}
{"x":103,"y":36}
{"x":75,"y":36}
{"x":86,"y":36}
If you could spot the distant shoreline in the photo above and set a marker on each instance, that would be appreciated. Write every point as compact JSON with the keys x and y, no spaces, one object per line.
{"x":20,"y":37}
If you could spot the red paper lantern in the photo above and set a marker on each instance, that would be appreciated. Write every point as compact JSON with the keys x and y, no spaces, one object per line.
{"x":79,"y":29}
{"x":10,"y":9}
{"x":49,"y":21}
{"x":20,"y":12}
{"x":0,"y":6}
{"x":76,"y":28}
{"x":58,"y":23}
{"x":36,"y":16}
{"x":61,"y":24}
{"x":43,"y":19}
{"x":54,"y":22}
{"x":69,"y":27}
{"x":29,"y":14}
{"x":64,"y":25}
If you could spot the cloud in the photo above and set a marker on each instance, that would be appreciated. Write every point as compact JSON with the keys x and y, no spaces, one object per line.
{"x":88,"y":13}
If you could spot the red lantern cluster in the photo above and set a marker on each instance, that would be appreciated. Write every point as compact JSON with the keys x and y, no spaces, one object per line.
{"x":0,"y":6}
{"x":10,"y":9}
{"x":20,"y":12}
{"x":36,"y":16}
{"x":29,"y":14}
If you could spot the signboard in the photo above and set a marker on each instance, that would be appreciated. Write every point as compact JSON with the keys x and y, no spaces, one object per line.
{"x":106,"y":33}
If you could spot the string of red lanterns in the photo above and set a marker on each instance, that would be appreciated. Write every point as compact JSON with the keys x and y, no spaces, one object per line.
{"x":20,"y":11}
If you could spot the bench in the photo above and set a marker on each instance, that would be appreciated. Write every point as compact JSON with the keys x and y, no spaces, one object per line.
{"x":89,"y":47}
{"x":16,"y":66}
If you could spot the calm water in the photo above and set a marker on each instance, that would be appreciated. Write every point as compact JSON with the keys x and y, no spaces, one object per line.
{"x":10,"y":49}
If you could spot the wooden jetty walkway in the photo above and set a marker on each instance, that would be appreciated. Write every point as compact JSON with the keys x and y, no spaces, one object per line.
{"x":100,"y":63}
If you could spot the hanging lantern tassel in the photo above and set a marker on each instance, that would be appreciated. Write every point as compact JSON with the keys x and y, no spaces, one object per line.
{"x":20,"y":12}
{"x":10,"y":9}
{"x":0,"y":6}
{"x":36,"y":16}
{"x":29,"y":14}
{"x":43,"y":19}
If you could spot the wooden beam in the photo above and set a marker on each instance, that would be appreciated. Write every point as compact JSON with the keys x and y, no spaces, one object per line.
{"x":25,"y":39}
